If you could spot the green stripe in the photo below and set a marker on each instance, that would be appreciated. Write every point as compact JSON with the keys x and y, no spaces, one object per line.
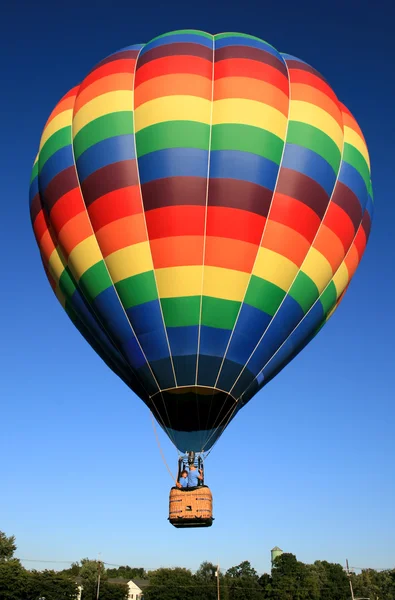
{"x":247,"y":139}
{"x":264,"y":295}
{"x":66,"y":283}
{"x":172,"y":134}
{"x":220,"y":36}
{"x":218,"y":313}
{"x":312,"y":138}
{"x":137,"y":290}
{"x":34,"y":171}
{"x":304,"y":291}
{"x":353,"y":157}
{"x":107,"y":126}
{"x":328,"y":298}
{"x":181,"y":312}
{"x":181,"y":31}
{"x":94,"y":281}
{"x":58,"y":140}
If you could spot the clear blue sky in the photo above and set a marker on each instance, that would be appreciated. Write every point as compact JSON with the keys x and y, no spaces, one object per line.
{"x":311,"y":458}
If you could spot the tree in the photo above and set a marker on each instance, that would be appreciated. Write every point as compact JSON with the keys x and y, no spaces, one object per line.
{"x":51,"y":586}
{"x":13,"y":580}
{"x":89,"y":573}
{"x":114,"y":591}
{"x":171,"y":584}
{"x":206,"y":581}
{"x":293,"y":580}
{"x":332,"y":579}
{"x":242,"y":582}
{"x":127,"y":572}
{"x":7,"y":546}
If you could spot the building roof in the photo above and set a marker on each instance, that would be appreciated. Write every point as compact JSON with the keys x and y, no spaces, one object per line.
{"x":141,"y":583}
{"x":276,"y":549}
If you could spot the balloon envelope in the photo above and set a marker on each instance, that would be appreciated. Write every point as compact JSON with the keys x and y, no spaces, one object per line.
{"x":200,"y":203}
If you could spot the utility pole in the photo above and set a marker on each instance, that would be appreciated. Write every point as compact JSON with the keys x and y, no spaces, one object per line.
{"x":98,"y":579}
{"x":349,"y":580}
{"x":217,"y":575}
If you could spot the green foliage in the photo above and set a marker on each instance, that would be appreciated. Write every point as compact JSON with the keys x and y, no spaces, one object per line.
{"x":113,"y":591}
{"x":7,"y":546}
{"x":51,"y":586}
{"x":13,"y":580}
{"x":170,"y":584}
{"x":89,"y":573}
{"x":127,"y":572}
{"x":242,"y":582}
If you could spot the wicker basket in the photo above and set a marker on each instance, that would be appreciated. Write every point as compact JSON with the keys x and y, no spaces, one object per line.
{"x":191,"y":507}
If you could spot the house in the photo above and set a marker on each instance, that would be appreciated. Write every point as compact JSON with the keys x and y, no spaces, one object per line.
{"x":135,"y":586}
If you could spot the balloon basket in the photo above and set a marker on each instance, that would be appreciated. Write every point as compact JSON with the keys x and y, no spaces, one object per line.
{"x":191,"y":507}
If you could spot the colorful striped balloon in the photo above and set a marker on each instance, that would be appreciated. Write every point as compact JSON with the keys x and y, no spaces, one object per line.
{"x":200,"y":203}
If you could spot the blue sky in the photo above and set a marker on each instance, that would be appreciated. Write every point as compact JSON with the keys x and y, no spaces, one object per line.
{"x":311,"y":458}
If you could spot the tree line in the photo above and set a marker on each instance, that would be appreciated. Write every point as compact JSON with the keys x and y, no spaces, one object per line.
{"x":289,"y":579}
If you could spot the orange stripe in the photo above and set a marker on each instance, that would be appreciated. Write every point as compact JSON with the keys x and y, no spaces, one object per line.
{"x":230,"y":254}
{"x":251,"y":89}
{"x":40,"y":226}
{"x":172,"y":85}
{"x":114,"y":82}
{"x":330,"y":246}
{"x":352,"y":260}
{"x":285,"y":241}
{"x":121,"y":234}
{"x":177,"y":251}
{"x":46,"y":245}
{"x":124,"y":65}
{"x":349,"y":120}
{"x":73,"y":232}
{"x":307,"y":93}
{"x":66,"y":103}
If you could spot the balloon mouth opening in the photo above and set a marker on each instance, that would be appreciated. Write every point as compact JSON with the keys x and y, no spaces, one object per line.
{"x":193,"y":408}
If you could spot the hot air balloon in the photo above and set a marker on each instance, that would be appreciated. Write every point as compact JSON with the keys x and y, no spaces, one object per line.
{"x":201,"y":203}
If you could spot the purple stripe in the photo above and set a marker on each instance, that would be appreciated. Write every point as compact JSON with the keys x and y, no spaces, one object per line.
{"x":109,"y":178}
{"x":176,"y":49}
{"x":257,"y":54}
{"x":301,"y":187}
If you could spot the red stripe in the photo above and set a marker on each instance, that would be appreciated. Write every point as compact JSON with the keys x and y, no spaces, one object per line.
{"x":295,"y":214}
{"x":115,"y":205}
{"x":67,"y":207}
{"x":299,"y":76}
{"x":124,"y":65}
{"x":175,"y":220}
{"x":338,"y":220}
{"x":242,"y":67}
{"x":234,"y":223}
{"x":173,"y":64}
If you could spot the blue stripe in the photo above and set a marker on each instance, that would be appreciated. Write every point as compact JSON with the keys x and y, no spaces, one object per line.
{"x":183,"y":340}
{"x":146,"y":317}
{"x":61,"y":160}
{"x":288,"y":316}
{"x":126,"y":48}
{"x":155,"y":347}
{"x":370,"y":207}
{"x":213,"y":341}
{"x":244,"y":166}
{"x":290,"y":57}
{"x":237,"y":40}
{"x":177,"y":38}
{"x":297,"y":339}
{"x":303,"y":160}
{"x":250,"y":326}
{"x":33,"y":190}
{"x":352,"y":179}
{"x":173,"y":162}
{"x":106,"y":152}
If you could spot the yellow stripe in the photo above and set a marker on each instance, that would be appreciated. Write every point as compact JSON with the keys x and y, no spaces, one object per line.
{"x":61,"y":120}
{"x":56,"y":264}
{"x":102,"y":105}
{"x":172,"y":108}
{"x":225,"y":283}
{"x":341,"y":279}
{"x":319,"y":118}
{"x":60,"y":296}
{"x":351,"y":137}
{"x":250,"y":112}
{"x":174,"y":282}
{"x":84,"y":255}
{"x":317,"y":268}
{"x":275,"y":268}
{"x":129,"y":261}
